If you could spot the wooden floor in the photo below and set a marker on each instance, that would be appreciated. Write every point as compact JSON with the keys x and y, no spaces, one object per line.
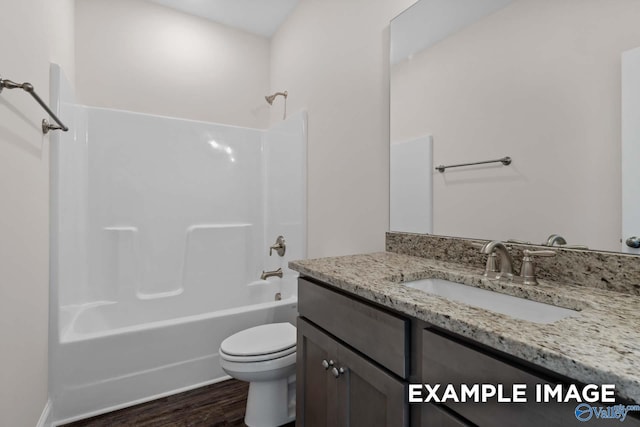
{"x":220,"y":404}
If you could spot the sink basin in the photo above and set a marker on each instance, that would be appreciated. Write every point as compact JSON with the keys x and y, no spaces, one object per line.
{"x":519,"y":308}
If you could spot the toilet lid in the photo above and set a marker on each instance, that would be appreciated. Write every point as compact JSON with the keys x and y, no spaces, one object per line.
{"x":263,"y":339}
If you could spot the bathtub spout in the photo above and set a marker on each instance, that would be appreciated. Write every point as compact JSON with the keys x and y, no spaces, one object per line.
{"x":276,"y":273}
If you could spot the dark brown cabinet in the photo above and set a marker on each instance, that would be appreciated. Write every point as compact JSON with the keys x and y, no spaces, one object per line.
{"x":437,"y":416}
{"x":380,"y":335}
{"x":352,"y":361}
{"x":446,"y":360}
{"x":338,"y":387}
{"x":316,"y":402}
{"x":355,"y":361}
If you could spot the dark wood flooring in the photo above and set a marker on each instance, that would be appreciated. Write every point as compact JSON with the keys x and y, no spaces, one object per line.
{"x":219,"y":405}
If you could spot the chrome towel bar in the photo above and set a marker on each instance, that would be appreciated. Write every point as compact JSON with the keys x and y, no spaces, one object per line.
{"x":28,"y":87}
{"x":505,"y":161}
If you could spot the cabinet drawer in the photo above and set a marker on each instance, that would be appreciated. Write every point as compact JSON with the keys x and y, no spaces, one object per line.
{"x":445,"y":361}
{"x":380,"y":335}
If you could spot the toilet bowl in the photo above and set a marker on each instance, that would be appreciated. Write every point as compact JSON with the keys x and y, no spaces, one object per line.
{"x":265,"y":357}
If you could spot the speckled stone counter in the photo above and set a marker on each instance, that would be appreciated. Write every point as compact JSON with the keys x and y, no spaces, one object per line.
{"x":611,"y":271}
{"x":601,"y":345}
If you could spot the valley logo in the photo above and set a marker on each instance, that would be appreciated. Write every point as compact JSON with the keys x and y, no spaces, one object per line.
{"x":584,"y":412}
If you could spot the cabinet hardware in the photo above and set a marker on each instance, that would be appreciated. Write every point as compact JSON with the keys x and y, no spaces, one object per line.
{"x":327,"y":364}
{"x":337,"y":372}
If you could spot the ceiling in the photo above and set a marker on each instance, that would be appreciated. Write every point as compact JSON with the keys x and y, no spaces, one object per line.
{"x":261,"y":17}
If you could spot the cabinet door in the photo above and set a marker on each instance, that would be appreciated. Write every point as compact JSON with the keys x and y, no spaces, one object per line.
{"x":445,"y":361}
{"x":368,"y":396}
{"x":316,"y":388}
{"x":436,"y":416}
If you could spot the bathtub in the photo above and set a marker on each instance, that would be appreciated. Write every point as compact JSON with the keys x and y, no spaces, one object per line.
{"x":110,"y":356}
{"x":159,"y":225}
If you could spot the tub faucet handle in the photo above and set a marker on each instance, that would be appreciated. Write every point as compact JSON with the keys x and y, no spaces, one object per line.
{"x":280,"y":246}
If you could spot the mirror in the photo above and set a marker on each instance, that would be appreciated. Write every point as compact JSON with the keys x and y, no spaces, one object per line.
{"x":538,"y":81}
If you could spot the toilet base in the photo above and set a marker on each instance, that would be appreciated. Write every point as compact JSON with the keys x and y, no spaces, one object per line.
{"x":271,"y":403}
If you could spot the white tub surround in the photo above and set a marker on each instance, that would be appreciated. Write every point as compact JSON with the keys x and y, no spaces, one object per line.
{"x":160,"y":232}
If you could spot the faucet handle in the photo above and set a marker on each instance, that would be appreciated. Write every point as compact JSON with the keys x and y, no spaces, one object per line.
{"x":528,"y":270}
{"x":583,"y":247}
{"x":491,"y":268}
{"x":543,"y":252}
{"x":519,"y":242}
{"x":280,"y":246}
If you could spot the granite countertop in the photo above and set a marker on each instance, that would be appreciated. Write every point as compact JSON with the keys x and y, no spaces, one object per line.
{"x":601,"y":345}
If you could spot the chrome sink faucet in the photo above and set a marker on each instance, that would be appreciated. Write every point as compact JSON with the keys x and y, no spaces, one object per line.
{"x":505,"y":261}
{"x":561,"y":241}
{"x":497,"y":249}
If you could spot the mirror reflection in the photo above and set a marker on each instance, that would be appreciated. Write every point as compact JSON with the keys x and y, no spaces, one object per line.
{"x":538,"y":81}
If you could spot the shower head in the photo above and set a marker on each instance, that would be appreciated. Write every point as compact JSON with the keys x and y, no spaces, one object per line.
{"x":270,"y":98}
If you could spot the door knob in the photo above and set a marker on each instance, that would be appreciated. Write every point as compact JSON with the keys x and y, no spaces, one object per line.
{"x":633,"y":242}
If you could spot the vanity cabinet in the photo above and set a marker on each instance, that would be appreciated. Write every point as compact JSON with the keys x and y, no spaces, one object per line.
{"x":448,"y":360}
{"x":338,"y":387}
{"x":356,"y":359}
{"x":341,"y":380}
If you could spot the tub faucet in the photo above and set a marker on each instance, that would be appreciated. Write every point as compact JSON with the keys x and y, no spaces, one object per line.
{"x":504,"y":258}
{"x":266,"y":274}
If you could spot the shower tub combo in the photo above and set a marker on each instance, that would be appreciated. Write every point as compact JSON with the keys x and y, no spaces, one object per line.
{"x":161,"y":228}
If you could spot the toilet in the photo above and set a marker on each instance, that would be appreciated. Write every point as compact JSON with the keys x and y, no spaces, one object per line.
{"x":265,"y":357}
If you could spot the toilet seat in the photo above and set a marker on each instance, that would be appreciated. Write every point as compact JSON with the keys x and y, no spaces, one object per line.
{"x":258,"y":357}
{"x":259,"y":371}
{"x":260,"y":343}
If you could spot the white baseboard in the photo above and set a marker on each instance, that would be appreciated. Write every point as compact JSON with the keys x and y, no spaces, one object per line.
{"x":42,"y":422}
